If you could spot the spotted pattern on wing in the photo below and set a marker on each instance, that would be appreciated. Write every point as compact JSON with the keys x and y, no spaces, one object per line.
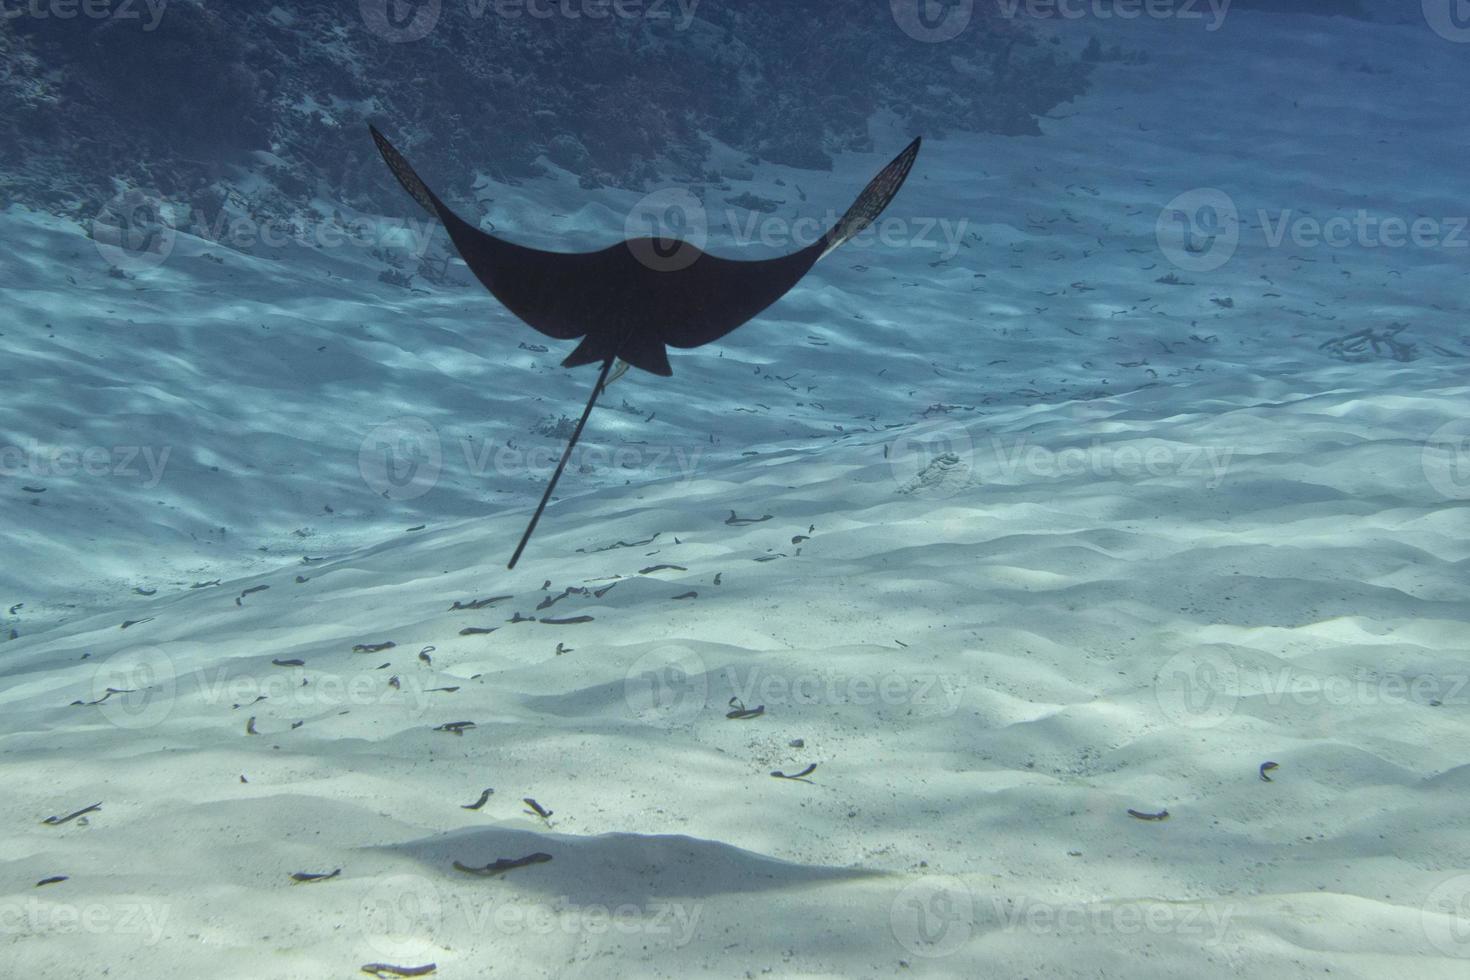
{"x":874,"y":198}
{"x":410,"y":180}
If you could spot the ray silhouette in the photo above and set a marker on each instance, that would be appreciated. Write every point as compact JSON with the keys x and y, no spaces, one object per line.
{"x":631,"y":301}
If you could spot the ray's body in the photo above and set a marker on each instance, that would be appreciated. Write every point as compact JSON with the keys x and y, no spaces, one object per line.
{"x":633,"y":300}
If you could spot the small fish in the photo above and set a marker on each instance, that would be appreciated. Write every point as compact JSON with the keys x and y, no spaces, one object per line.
{"x":304,"y":877}
{"x":478,"y":603}
{"x":739,"y":712}
{"x":383,"y":971}
{"x":484,"y":798}
{"x":740,"y":521}
{"x":504,"y":864}
{"x":58,"y":821}
{"x":800,"y":775}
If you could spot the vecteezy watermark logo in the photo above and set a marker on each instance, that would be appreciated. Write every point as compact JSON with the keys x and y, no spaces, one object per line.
{"x":405,"y":917}
{"x":933,"y":459}
{"x":933,"y":917}
{"x":1445,"y":917}
{"x":1105,"y":10}
{"x":1199,"y":230}
{"x":135,"y":688}
{"x":539,"y":459}
{"x":401,"y":459}
{"x":667,"y":686}
{"x":671,"y":924}
{"x":932,"y":21}
{"x":1197,"y":689}
{"x":1201,"y":690}
{"x":1205,"y":924}
{"x":943,"y":235}
{"x":114,"y":10}
{"x":145,"y":464}
{"x":295,"y":689}
{"x":667,"y":230}
{"x":1124,"y":461}
{"x":923,"y":693}
{"x":400,"y":917}
{"x":401,"y":21}
{"x":1446,"y":460}
{"x":243,"y":232}
{"x":139,"y":921}
{"x":1450,"y":19}
{"x":1363,"y":230}
{"x":135,"y":231}
{"x":653,"y":10}
{"x":1299,"y":688}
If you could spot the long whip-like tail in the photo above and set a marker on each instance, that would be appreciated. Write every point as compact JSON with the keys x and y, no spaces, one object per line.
{"x":576,"y":434}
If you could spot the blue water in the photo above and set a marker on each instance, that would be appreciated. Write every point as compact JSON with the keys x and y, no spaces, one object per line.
{"x":1092,"y":522}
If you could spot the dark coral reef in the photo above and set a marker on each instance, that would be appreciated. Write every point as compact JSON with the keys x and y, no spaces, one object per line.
{"x":217,"y":90}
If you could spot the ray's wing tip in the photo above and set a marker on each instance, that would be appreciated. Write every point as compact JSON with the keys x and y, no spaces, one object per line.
{"x":401,"y":168}
{"x":911,"y":152}
{"x":382,"y":141}
{"x":387,"y":149}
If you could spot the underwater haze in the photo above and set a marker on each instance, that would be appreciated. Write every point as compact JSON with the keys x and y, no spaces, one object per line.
{"x":1005,"y":469}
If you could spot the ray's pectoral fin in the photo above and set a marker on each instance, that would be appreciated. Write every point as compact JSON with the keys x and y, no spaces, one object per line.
{"x":411,"y":181}
{"x":874,"y":198}
{"x":731,"y":291}
{"x":521,"y":278}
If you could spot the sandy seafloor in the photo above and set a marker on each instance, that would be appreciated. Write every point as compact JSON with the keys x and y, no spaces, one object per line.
{"x":1176,"y":539}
